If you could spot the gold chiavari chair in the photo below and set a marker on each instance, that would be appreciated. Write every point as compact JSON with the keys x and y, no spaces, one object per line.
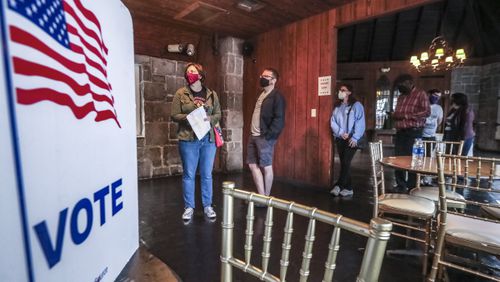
{"x":412,"y":213}
{"x":432,"y":193}
{"x":469,"y":230}
{"x":378,"y":233}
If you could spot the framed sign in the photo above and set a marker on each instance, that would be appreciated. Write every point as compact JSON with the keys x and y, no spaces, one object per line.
{"x":325,"y":85}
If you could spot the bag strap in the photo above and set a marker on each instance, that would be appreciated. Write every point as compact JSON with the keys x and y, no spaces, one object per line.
{"x":347,"y":125}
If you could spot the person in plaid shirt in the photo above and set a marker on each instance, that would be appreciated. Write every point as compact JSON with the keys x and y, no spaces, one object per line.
{"x":412,"y":109}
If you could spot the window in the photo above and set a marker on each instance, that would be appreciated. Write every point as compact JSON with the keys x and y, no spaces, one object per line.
{"x":386,"y":103}
{"x":139,"y":102}
{"x":383,"y":104}
{"x":395,"y":96}
{"x":382,"y":107}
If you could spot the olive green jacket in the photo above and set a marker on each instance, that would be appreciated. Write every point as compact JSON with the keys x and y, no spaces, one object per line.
{"x":183,"y":104}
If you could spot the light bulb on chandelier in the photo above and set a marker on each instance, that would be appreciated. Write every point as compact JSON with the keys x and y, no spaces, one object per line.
{"x":439,"y":57}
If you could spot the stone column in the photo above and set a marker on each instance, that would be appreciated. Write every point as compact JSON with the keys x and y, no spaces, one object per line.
{"x":467,"y":80}
{"x":157,"y":152}
{"x":231,"y":96}
{"x":488,"y":128}
{"x":482,"y":86}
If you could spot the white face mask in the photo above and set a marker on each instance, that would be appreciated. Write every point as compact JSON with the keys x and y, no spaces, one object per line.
{"x":342,"y":95}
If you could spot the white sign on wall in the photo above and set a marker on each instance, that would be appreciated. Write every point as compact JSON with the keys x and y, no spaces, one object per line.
{"x":324,"y":85}
{"x":68,"y":210}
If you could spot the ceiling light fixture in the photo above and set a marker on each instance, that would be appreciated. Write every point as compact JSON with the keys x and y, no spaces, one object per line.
{"x":385,"y":69}
{"x":440,"y":56}
{"x":250,"y":5}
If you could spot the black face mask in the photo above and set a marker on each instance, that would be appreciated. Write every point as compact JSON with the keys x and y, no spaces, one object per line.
{"x":264,"y":82}
{"x":403,"y":89}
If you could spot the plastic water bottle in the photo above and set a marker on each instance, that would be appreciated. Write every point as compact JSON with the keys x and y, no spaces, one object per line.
{"x":417,"y":157}
{"x":421,"y":153}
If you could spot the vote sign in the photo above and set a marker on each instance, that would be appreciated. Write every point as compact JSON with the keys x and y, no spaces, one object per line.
{"x":68,"y":210}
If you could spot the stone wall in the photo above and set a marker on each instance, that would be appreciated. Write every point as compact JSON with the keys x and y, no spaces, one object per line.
{"x":489,"y":133}
{"x":482,"y":86}
{"x":468,"y":80}
{"x":231,"y":95}
{"x":157,"y":152}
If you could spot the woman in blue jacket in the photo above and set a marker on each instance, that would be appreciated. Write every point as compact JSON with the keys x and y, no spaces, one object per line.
{"x":348,"y":126}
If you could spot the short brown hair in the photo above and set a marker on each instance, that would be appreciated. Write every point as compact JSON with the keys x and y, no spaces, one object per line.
{"x":198,"y":67}
{"x":274,"y":71}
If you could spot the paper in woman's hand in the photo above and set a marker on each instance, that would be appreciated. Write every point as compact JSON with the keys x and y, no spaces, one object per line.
{"x":199,"y":122}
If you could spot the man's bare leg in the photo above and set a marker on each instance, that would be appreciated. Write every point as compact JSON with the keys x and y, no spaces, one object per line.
{"x":257,"y":178}
{"x":268,"y":178}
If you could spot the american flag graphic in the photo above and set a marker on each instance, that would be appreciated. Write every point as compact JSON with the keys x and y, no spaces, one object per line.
{"x":59,"y":54}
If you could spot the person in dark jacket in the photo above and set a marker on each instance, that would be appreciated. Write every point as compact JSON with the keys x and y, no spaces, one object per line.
{"x":459,"y":122}
{"x":268,"y":120}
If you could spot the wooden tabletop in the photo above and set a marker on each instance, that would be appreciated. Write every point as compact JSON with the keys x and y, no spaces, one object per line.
{"x":430,"y":166}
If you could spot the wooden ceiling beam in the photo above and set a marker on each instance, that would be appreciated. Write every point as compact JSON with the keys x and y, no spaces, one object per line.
{"x":393,"y":37}
{"x":353,"y":42}
{"x":372,"y":38}
{"x":476,"y":34}
{"x":417,"y":26}
{"x":460,"y":25}
{"x":439,"y":27}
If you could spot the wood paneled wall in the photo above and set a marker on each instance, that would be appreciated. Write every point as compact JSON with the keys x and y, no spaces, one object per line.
{"x":303,"y":51}
{"x":301,"y":54}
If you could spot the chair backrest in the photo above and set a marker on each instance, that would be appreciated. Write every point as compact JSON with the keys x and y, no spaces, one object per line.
{"x":378,"y":233}
{"x":474,"y":177}
{"x":451,"y":147}
{"x":376,"y":155}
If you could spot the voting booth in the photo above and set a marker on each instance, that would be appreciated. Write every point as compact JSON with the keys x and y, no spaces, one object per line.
{"x":68,"y":165}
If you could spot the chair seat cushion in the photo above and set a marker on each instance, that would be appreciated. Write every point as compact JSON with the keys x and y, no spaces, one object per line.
{"x":407,"y":205}
{"x":492,"y":211}
{"x":475,"y":233}
{"x":432,"y":193}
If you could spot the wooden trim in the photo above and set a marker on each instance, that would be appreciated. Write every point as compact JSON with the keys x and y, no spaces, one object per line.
{"x":196,"y":5}
{"x":376,"y":8}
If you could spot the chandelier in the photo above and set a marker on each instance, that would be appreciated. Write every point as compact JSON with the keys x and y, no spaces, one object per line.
{"x":440,"y":56}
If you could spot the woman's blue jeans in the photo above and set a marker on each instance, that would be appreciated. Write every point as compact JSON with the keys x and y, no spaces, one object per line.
{"x":467,"y":145}
{"x":194,"y":154}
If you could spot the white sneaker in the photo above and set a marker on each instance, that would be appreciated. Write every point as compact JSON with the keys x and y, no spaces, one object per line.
{"x":209,"y":212}
{"x":426,"y":181}
{"x":335,"y":191}
{"x":346,"y":193}
{"x":188,"y":213}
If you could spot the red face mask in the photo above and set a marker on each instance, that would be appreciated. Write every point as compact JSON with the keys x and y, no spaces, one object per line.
{"x":192,"y":78}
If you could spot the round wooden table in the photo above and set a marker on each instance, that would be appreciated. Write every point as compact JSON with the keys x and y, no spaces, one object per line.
{"x":430,"y":166}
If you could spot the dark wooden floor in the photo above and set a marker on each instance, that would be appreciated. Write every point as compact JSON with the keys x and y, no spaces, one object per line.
{"x":192,"y":250}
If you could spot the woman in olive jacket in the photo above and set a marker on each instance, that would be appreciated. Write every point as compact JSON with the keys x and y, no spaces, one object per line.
{"x":196,"y":151}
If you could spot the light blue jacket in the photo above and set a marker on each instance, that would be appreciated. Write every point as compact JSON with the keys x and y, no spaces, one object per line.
{"x":338,"y":122}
